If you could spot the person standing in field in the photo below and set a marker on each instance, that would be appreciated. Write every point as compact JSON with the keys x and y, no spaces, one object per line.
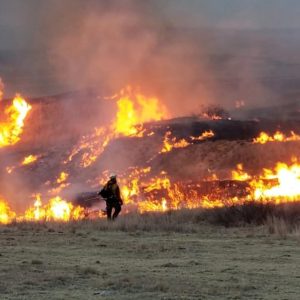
{"x":112,"y":195}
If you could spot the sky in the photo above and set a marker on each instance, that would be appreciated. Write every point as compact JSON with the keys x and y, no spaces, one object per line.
{"x":236,"y":14}
{"x":20,"y":20}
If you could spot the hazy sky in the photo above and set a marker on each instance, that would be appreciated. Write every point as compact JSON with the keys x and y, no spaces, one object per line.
{"x":237,"y":13}
{"x":20,"y":19}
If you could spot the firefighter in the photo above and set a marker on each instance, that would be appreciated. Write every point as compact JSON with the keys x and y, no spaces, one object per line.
{"x":111,"y":193}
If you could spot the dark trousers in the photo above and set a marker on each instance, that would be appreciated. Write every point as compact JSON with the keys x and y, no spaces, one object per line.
{"x":110,"y":205}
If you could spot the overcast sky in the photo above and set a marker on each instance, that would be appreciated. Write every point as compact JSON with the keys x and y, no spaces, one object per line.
{"x":20,"y":19}
{"x":251,"y":14}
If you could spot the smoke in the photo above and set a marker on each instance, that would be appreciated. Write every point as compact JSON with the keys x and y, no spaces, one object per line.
{"x":105,"y":45}
{"x":108,"y":44}
{"x":111,"y":44}
{"x":1,"y":89}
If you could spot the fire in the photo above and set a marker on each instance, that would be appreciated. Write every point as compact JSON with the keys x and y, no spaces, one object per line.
{"x":281,"y":184}
{"x":36,"y":213}
{"x":160,"y":193}
{"x":56,"y":210}
{"x":6,"y":214}
{"x":29,"y":159}
{"x":92,"y":146}
{"x":204,"y":136}
{"x":170,"y":143}
{"x":284,"y":186}
{"x":60,"y":184}
{"x":264,"y":138}
{"x":133,"y":110}
{"x":239,"y":174}
{"x":12,"y":128}
{"x":141,"y":188}
{"x":62,"y":177}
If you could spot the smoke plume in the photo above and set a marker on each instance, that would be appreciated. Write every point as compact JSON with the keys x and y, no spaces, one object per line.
{"x":111,"y":44}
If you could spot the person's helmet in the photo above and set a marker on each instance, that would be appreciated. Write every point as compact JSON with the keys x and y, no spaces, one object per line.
{"x":112,"y":176}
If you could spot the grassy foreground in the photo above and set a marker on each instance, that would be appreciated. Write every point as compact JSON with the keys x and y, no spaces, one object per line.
{"x":147,"y":258}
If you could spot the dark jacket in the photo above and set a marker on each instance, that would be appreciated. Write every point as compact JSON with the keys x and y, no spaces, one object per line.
{"x":111,"y":192}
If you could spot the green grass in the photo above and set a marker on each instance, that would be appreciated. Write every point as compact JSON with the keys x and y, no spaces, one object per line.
{"x":146,"y":258}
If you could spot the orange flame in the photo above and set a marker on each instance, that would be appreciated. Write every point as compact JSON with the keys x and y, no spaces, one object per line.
{"x":170,"y":143}
{"x":6,"y":214}
{"x":11,"y":130}
{"x":205,"y":135}
{"x":29,"y":160}
{"x":285,"y":184}
{"x":239,"y":174}
{"x":264,"y":138}
{"x":56,"y":210}
{"x":62,"y":177}
{"x":281,"y":184}
{"x":134,"y":109}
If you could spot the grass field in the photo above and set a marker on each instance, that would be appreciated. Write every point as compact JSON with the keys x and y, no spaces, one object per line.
{"x":133,"y":259}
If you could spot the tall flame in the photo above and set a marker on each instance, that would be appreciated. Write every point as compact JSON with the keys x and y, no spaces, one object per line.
{"x":56,"y":210}
{"x":133,"y":109}
{"x":6,"y":214}
{"x":12,"y":128}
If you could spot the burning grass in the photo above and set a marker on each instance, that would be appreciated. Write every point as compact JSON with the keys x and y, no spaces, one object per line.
{"x":12,"y":127}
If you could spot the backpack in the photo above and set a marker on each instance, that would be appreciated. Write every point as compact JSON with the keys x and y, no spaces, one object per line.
{"x":106,"y":192}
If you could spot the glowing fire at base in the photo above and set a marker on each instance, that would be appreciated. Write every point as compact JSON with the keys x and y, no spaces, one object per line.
{"x":12,"y":128}
{"x":286,"y":188}
{"x":56,"y":210}
{"x":264,"y":138}
{"x":279,"y":185}
{"x":159,"y":194}
{"x":141,"y":189}
{"x":6,"y":214}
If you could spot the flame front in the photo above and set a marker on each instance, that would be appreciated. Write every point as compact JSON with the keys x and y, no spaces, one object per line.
{"x":286,"y":186}
{"x":133,"y":110}
{"x":6,"y":214}
{"x":170,"y":143}
{"x":57,"y":209}
{"x":278,"y":136}
{"x":143,"y":189}
{"x":12,"y":128}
